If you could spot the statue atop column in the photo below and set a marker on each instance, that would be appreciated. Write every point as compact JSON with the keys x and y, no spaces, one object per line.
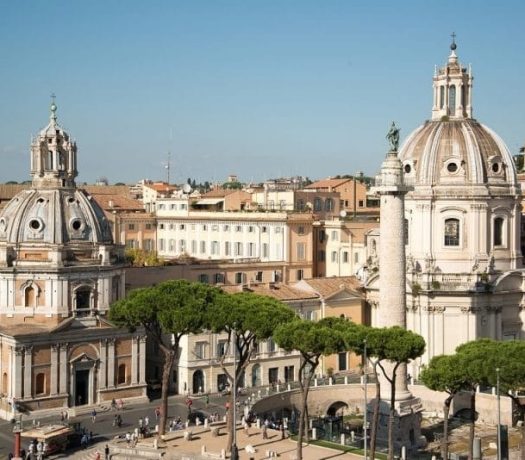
{"x":393,"y":137}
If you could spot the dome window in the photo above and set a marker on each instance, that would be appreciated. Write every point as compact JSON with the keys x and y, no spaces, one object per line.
{"x":40,"y":200}
{"x":452,"y":167}
{"x":496,"y":167}
{"x":3,"y":224}
{"x":36,"y":224}
{"x":408,"y":169}
{"x":71,"y":200}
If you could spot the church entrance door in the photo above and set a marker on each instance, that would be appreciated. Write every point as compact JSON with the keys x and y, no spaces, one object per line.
{"x":81,"y":387}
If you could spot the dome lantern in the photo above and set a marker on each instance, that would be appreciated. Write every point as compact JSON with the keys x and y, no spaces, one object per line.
{"x":452,"y":89}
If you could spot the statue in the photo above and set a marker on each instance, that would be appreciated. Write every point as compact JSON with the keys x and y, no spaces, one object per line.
{"x":393,"y":137}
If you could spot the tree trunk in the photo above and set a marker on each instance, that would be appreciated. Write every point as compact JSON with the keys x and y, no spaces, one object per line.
{"x":391,"y":416}
{"x":375,"y":418}
{"x":169,"y":358}
{"x":302,"y":419}
{"x":229,"y":422}
{"x":444,"y":440}
{"x":472,"y":424}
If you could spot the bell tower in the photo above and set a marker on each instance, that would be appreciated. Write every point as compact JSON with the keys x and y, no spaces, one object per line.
{"x":452,"y":88}
{"x":53,"y":156}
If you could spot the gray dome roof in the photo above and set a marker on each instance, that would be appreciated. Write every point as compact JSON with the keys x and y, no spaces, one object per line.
{"x":457,"y":152}
{"x":53,"y":216}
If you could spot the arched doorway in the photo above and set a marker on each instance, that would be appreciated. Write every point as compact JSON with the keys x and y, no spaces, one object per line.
{"x":337,"y":408}
{"x":256,"y":375}
{"x":198,"y":382}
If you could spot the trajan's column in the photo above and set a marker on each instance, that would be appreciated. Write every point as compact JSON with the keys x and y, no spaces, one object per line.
{"x":391,"y":188}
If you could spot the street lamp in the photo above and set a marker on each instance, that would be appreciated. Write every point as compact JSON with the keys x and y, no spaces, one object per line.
{"x":235,"y":452}
{"x":499,"y":414}
{"x":365,"y":419}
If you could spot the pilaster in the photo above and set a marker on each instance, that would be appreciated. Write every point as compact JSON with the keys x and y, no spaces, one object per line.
{"x":63,"y":368}
{"x":134,"y":359}
{"x":103,"y":365}
{"x":28,"y":371}
{"x":142,"y":360}
{"x":54,"y":368}
{"x":16,"y":387}
{"x":111,"y":363}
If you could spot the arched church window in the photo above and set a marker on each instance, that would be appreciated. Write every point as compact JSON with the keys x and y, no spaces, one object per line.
{"x":121,"y":378}
{"x":29,"y":297}
{"x":498,"y":231}
{"x":441,"y":97}
{"x":452,"y":100}
{"x":40,"y":383}
{"x":318,"y":204}
{"x":452,"y":232}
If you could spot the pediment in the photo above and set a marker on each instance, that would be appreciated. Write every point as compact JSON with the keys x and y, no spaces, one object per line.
{"x":82,"y":358}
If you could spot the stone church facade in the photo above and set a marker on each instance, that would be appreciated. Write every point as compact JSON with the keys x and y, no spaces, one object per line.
{"x":59,"y":273}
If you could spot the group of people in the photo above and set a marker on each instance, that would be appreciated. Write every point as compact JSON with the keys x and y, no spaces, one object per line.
{"x":85,"y":438}
{"x":117,"y":405}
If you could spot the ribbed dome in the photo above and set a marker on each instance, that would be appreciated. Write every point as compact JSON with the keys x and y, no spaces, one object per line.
{"x":58,"y":216}
{"x":457,"y":152}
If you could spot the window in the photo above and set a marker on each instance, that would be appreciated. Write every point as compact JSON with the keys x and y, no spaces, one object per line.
{"x":171,"y":245}
{"x":121,"y":374}
{"x":148,"y":226}
{"x":361,"y":203}
{"x":270,"y":344}
{"x":301,"y":251}
{"x":329,"y":204}
{"x":251,"y":229}
{"x":300,"y":275}
{"x":498,"y":231}
{"x":131,"y":226}
{"x":148,"y":244}
{"x":335,"y":235}
{"x":183,"y":206}
{"x":214,"y":247}
{"x":282,"y":204}
{"x":345,"y":257}
{"x":193,"y":247}
{"x":170,"y":226}
{"x":251,"y":249}
{"x":40,"y":384}
{"x":218,"y":278}
{"x":226,"y":228}
{"x":182,"y":245}
{"x":182,"y":227}
{"x":161,"y":207}
{"x":204,"y":227}
{"x":441,"y":97}
{"x":83,"y":301}
{"x":203,"y":278}
{"x":173,"y":206}
{"x":214,"y":228}
{"x":321,"y":256}
{"x":342,"y":361}
{"x":322,"y":236}
{"x":240,"y":278}
{"x":265,"y":250}
{"x":356,"y":257}
{"x":238,"y":228}
{"x":161,"y":244}
{"x":203,"y":247}
{"x":452,"y":232}
{"x":200,"y":350}
{"x":452,"y":100}
{"x":227,"y":249}
{"x":300,"y":230}
{"x":277,"y":229}
{"x":161,"y":226}
{"x":334,"y":256}
{"x":264,"y":229}
{"x":300,"y":205}
{"x":318,"y":204}
{"x":259,"y":276}
{"x":238,"y":249}
{"x":222,"y":348}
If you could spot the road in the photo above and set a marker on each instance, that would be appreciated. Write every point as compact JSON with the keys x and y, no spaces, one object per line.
{"x":103,"y":428}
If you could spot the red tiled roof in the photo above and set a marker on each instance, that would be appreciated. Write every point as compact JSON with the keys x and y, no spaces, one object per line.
{"x":328,"y":183}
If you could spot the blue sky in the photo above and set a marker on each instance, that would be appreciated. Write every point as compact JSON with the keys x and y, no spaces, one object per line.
{"x":255,"y":88}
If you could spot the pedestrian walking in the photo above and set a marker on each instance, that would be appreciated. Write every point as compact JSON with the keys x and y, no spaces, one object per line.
{"x":157,"y":413}
{"x":97,"y":455}
{"x":106,"y":452}
{"x":93,"y":415}
{"x":265,"y":431}
{"x":141,"y":423}
{"x":146,"y":421}
{"x":207,"y":399}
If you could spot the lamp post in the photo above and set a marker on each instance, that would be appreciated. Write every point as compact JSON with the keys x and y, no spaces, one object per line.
{"x":499,"y":414}
{"x":235,"y":452}
{"x":365,"y":419}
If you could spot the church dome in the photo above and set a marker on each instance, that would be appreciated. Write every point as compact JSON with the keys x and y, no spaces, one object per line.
{"x":455,"y":152}
{"x":53,"y":211}
{"x":453,"y":148}
{"x":59,"y":216}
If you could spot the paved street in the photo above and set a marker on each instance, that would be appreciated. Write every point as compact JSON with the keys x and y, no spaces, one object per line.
{"x":103,"y":429}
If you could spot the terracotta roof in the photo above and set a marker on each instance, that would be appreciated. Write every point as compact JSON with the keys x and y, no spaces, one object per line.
{"x":327,"y":287}
{"x":161,"y":187}
{"x":107,"y":189}
{"x":328,"y":183}
{"x":278,"y":291}
{"x":118,"y":202}
{"x":217,"y":193}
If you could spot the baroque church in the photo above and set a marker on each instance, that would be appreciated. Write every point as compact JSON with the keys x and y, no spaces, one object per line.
{"x":462,"y":226}
{"x":59,"y":273}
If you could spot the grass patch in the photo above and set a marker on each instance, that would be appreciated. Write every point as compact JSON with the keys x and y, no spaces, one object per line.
{"x":339,"y":447}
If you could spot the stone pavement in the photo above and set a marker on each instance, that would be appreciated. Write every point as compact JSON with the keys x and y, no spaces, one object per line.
{"x":176,"y":446}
